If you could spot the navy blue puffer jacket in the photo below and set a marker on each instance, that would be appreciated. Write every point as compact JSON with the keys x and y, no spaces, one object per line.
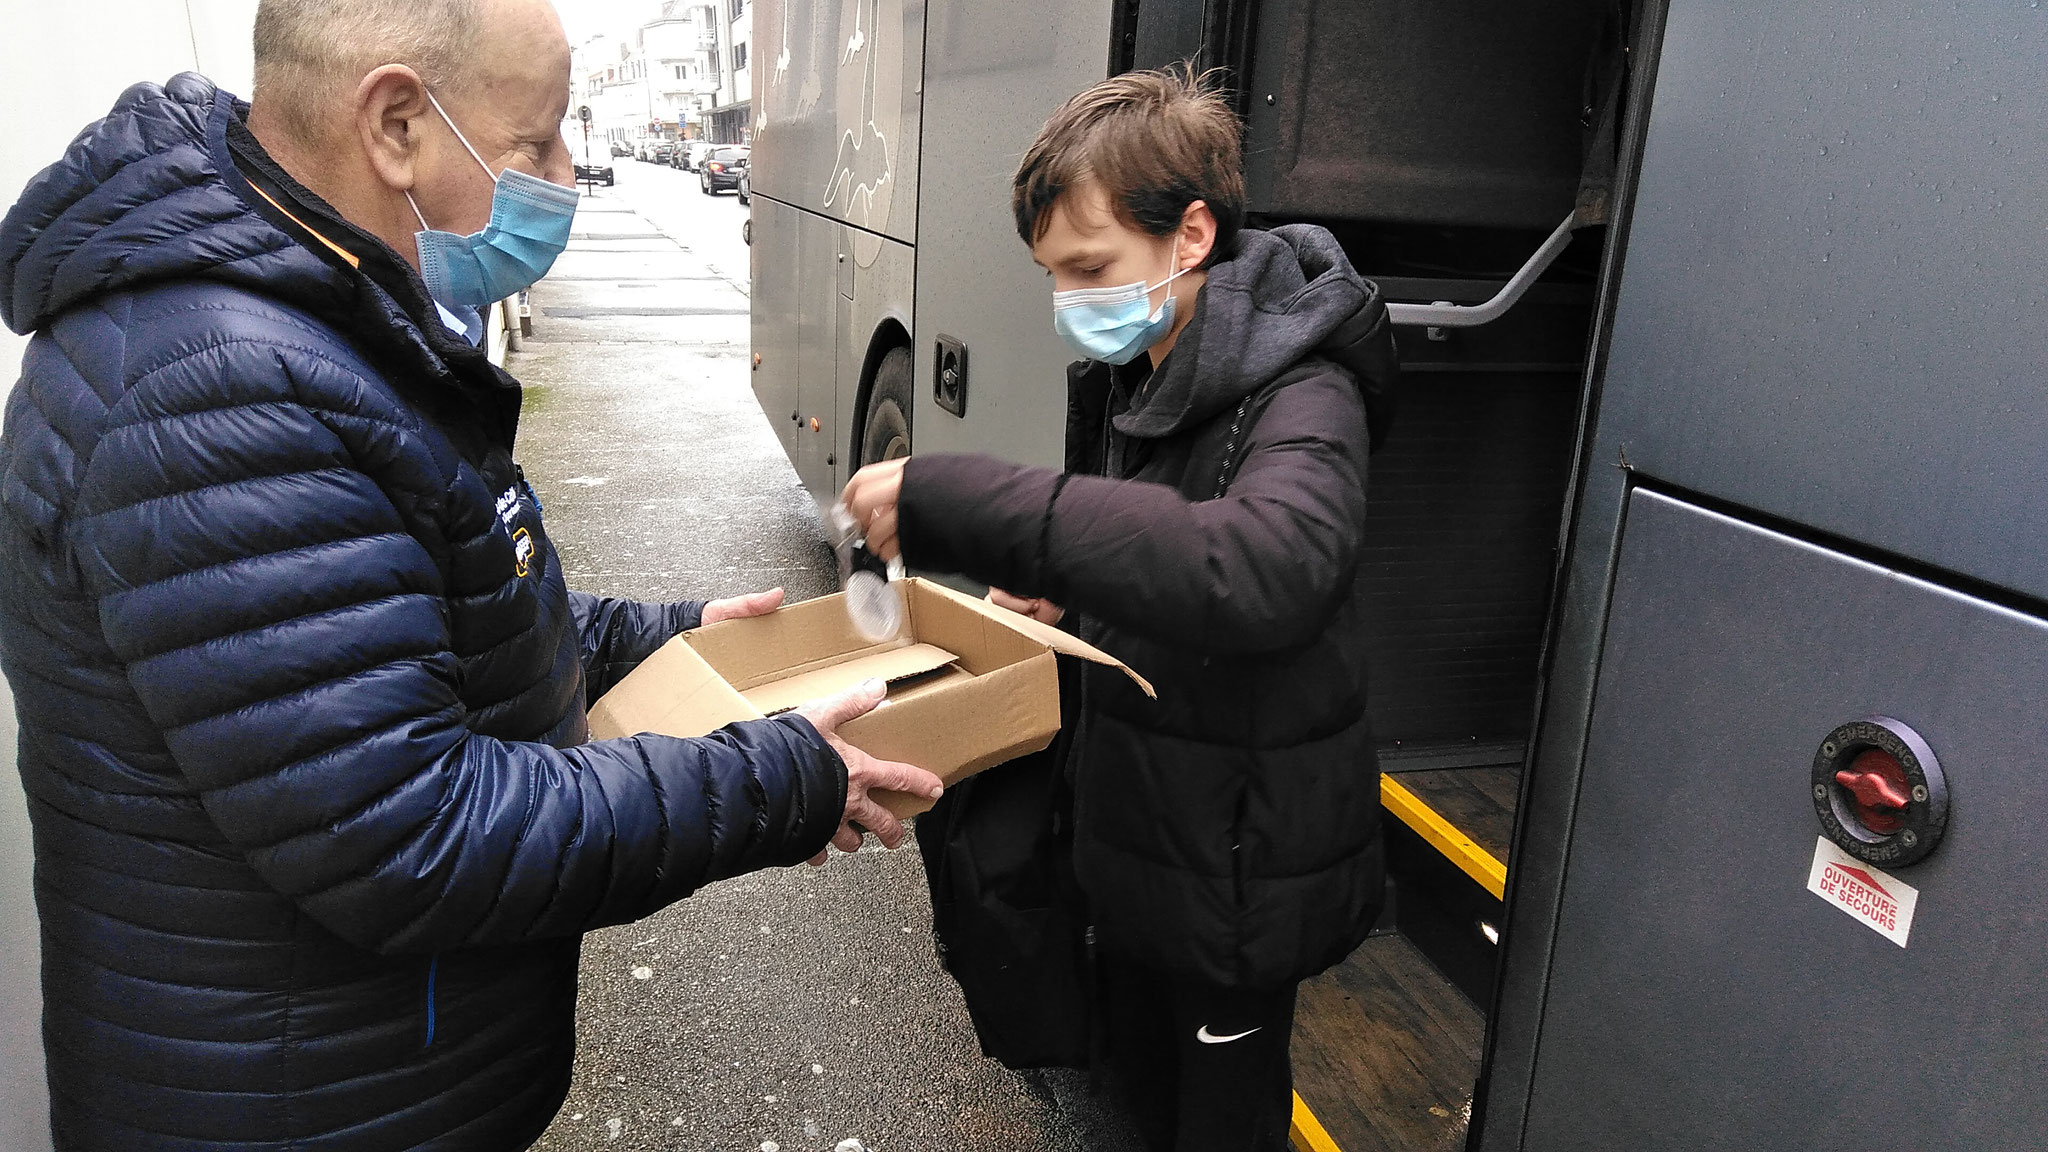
{"x":301,"y":689}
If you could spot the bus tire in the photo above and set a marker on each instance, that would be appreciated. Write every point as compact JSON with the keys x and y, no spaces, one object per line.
{"x":885,"y":426}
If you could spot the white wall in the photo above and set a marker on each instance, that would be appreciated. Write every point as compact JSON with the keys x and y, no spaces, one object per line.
{"x":61,"y":67}
{"x":63,"y":64}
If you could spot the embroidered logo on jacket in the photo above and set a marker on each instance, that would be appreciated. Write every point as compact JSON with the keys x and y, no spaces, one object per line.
{"x":522,"y":552}
{"x":508,"y":505}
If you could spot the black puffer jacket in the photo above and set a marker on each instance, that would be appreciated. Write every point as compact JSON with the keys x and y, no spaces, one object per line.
{"x":1207,"y":531}
{"x":301,"y":690}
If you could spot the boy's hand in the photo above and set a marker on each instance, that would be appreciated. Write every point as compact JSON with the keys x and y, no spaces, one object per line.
{"x":871,"y":497}
{"x":736,"y":607}
{"x":1038,"y":608}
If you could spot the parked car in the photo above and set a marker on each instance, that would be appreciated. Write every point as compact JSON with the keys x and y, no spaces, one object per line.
{"x":722,"y":167}
{"x":620,"y":148}
{"x":693,"y":156}
{"x":661,"y":151}
{"x":744,"y":189}
{"x":595,"y":173}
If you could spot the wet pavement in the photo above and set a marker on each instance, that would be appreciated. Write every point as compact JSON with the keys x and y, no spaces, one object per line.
{"x":791,"y":1010}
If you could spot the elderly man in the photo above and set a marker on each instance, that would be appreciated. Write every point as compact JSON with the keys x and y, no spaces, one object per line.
{"x":301,"y":690}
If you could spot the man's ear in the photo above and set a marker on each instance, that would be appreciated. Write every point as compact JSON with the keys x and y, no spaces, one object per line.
{"x":1197,"y":234}
{"x":388,"y":103}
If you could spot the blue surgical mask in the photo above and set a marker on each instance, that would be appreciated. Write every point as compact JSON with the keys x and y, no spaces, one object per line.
{"x":1114,"y":325}
{"x":530,"y":220}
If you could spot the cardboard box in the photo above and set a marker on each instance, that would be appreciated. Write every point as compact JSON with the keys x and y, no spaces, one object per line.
{"x":970,"y":685}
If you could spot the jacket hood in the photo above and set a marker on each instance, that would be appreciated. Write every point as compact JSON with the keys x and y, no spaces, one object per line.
{"x":1288,"y":295}
{"x":145,"y":195}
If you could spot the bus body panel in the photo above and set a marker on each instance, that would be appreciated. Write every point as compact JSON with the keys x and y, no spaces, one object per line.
{"x":796,"y":317}
{"x":822,"y":290}
{"x":995,"y":70}
{"x":1701,"y":997}
{"x":837,"y":109}
{"x":878,"y":288}
{"x":773,"y":319}
{"x":1828,"y":316}
{"x":1835,"y":309}
{"x":834,"y":181}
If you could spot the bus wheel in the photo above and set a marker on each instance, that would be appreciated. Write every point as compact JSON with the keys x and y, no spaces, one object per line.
{"x":885,"y":432}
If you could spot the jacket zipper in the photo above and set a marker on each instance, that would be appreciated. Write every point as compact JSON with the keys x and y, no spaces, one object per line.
{"x":433,"y":971}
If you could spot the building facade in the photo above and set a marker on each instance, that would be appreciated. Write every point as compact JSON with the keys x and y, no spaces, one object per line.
{"x":683,"y":75}
{"x":729,"y":120}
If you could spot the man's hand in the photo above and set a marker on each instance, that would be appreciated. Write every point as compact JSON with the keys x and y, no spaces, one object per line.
{"x":864,"y":773}
{"x":736,"y":607}
{"x":871,"y":497}
{"x":1038,"y":608}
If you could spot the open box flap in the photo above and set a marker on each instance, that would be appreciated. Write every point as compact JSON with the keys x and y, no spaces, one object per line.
{"x":1045,"y":634}
{"x":673,"y":692}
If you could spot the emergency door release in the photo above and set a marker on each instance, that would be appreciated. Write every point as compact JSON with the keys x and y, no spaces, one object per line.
{"x":1879,"y":792}
{"x":1876,"y":782}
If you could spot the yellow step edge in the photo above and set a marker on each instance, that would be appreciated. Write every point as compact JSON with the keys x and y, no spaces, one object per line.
{"x":1307,"y":1133}
{"x":1444,"y":836}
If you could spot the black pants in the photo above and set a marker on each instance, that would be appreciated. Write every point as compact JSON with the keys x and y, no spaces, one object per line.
{"x":1201,"y":1069}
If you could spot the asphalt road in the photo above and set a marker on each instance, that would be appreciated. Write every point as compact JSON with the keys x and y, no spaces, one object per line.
{"x":787,"y":1011}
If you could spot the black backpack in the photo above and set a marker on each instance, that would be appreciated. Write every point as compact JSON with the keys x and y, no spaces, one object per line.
{"x":1011,"y":923}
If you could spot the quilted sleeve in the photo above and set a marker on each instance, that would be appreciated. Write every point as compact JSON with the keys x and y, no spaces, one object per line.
{"x":1262,"y":569}
{"x":618,"y":634}
{"x":289,"y":638}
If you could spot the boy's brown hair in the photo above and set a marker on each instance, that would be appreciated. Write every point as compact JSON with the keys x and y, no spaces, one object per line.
{"x":1156,"y":142}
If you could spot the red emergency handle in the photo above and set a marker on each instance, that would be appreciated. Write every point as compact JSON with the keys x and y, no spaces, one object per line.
{"x":1871,"y":788}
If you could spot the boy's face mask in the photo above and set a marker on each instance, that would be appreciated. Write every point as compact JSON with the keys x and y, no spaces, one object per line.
{"x":529,"y":228}
{"x":1115,"y":325}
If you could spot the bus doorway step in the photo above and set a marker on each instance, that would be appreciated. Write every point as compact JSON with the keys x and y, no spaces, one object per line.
{"x":1385,"y":1054}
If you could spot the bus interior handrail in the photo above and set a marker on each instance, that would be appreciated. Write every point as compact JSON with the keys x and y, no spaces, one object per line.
{"x":1444,"y":315}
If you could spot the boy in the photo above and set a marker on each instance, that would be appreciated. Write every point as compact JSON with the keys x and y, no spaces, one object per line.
{"x":1207,"y":529}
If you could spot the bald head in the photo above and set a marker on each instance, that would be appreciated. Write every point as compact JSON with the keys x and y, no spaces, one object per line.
{"x":312,"y":53}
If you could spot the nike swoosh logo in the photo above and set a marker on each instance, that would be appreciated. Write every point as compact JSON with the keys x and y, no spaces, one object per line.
{"x":1207,"y":1037}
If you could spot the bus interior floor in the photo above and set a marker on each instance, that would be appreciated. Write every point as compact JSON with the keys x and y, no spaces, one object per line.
{"x":1386,"y":1051}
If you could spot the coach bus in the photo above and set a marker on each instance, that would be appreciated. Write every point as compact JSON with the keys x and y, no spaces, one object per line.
{"x":1709,"y":552}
